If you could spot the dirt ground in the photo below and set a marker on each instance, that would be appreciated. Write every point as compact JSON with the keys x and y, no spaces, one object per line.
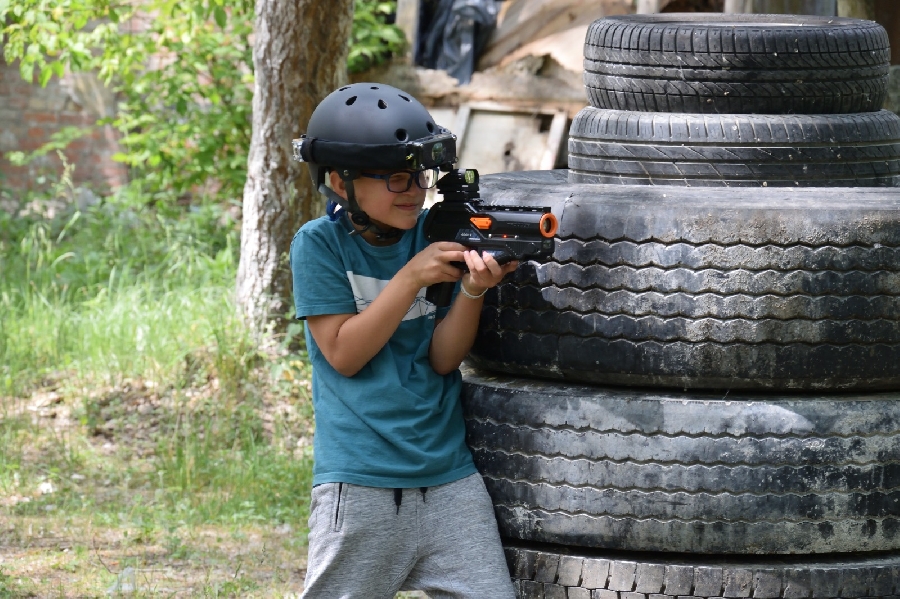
{"x":60,"y":550}
{"x":63,"y":551}
{"x":48,"y":557}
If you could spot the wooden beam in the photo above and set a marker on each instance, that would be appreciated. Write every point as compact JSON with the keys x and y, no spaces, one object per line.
{"x":554,"y":140}
{"x":647,"y":6}
{"x":738,"y":6}
{"x":408,"y":21}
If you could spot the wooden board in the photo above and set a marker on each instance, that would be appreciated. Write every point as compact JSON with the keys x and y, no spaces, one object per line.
{"x":444,"y":116}
{"x":538,"y":27}
{"x":408,"y":20}
{"x":494,"y":138}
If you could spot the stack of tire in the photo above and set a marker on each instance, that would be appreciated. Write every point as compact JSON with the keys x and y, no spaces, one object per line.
{"x":699,"y":394}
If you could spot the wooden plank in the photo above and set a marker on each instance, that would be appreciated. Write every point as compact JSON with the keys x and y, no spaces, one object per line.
{"x":408,"y":20}
{"x":460,"y":126}
{"x":524,"y":23}
{"x":554,"y":140}
{"x":444,"y":116}
{"x":496,"y":138}
{"x":738,"y":6}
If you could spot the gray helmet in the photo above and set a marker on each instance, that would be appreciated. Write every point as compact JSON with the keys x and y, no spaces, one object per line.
{"x":372,"y":126}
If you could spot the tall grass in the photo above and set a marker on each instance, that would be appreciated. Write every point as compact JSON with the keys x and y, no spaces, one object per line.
{"x":112,"y":292}
{"x":121,"y":292}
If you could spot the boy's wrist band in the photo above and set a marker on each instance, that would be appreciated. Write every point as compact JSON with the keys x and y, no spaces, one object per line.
{"x":465,"y":292}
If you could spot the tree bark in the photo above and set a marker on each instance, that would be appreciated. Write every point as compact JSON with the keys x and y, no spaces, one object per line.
{"x":299,"y":57}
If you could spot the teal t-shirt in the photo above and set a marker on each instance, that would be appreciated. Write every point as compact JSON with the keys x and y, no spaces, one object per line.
{"x":396,"y":423}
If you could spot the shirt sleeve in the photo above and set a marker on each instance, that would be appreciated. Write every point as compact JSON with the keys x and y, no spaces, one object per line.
{"x":320,"y":279}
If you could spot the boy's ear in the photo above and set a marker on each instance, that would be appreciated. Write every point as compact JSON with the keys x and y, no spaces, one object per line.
{"x":337,"y":184}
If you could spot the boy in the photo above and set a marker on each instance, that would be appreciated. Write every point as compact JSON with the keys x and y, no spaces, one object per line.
{"x":396,"y":503}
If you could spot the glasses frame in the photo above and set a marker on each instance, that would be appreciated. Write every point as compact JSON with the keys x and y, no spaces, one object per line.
{"x":413,"y":176}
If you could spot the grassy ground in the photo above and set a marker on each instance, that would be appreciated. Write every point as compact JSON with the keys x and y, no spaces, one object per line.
{"x":150,"y":445}
{"x":133,"y":487}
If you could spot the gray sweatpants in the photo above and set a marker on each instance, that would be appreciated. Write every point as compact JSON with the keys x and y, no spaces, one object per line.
{"x":444,"y":542}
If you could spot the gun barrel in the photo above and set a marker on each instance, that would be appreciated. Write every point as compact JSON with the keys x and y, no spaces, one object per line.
{"x":548,"y":225}
{"x":510,"y":221}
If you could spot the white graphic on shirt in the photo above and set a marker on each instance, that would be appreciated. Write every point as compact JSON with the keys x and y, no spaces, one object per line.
{"x":366,"y":289}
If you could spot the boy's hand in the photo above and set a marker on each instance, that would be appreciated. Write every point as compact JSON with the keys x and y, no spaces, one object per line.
{"x":454,"y":335}
{"x":433,"y":264}
{"x":484,"y":271}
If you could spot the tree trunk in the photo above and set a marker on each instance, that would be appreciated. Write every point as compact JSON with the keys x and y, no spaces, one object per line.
{"x":299,"y":57}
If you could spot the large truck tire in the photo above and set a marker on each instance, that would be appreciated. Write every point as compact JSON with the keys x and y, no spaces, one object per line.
{"x":790,"y":289}
{"x":735,"y":63}
{"x":735,"y":150}
{"x":700,"y":473}
{"x":564,"y":573}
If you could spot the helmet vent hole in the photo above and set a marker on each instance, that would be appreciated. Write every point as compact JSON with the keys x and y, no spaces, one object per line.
{"x":351,"y":100}
{"x":402,"y":135}
{"x":346,"y":87}
{"x":374,"y":87}
{"x":430,"y":126}
{"x":381,"y":104}
{"x":404,"y":97}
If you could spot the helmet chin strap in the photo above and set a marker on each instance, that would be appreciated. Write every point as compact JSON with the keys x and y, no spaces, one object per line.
{"x":357,"y":216}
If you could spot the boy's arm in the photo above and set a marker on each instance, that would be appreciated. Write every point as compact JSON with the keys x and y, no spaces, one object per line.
{"x":349,"y":341}
{"x":455,"y":334}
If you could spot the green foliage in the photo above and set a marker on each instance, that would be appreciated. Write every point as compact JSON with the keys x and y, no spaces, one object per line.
{"x":182,"y":73}
{"x":11,"y":588}
{"x":187,"y":120}
{"x":59,"y":140}
{"x":374,"y":39}
{"x":85,"y":290}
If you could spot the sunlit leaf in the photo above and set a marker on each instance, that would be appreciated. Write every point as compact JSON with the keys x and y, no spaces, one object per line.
{"x":220,"y":16}
{"x":16,"y":158}
{"x":26,"y":71}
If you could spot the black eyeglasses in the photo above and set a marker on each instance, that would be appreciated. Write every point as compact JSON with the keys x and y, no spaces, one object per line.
{"x":401,"y":181}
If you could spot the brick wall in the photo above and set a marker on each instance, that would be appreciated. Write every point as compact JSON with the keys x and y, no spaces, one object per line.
{"x":30,"y":114}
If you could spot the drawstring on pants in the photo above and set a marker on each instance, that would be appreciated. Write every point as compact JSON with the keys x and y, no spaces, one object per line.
{"x":398,"y":496}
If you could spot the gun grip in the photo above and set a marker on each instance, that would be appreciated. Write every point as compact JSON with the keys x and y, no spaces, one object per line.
{"x":439,"y":294}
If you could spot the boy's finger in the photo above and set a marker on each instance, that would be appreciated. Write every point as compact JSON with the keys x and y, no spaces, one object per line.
{"x":449,"y":246}
{"x":453,"y":256}
{"x":488,"y":258}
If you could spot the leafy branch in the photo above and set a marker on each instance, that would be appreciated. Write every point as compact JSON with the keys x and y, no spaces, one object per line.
{"x":182,"y":75}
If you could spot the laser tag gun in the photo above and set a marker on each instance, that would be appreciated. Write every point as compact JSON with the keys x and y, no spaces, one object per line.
{"x":506,"y":232}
